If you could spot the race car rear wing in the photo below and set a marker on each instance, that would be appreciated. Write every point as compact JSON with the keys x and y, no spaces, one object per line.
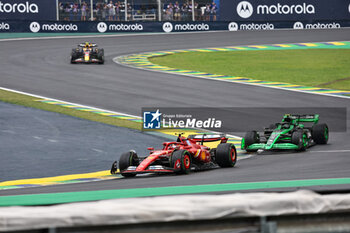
{"x":83,"y":45}
{"x":302,"y":118}
{"x":208,"y":137}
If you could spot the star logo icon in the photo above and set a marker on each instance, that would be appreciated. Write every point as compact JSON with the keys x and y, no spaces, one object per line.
{"x":156,"y":115}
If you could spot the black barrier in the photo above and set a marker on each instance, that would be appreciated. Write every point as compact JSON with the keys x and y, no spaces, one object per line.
{"x":284,"y":10}
{"x":169,"y":27}
{"x":28,"y":10}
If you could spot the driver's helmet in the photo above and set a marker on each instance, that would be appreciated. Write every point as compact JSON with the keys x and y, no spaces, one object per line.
{"x":287,"y":118}
{"x":87,"y":45}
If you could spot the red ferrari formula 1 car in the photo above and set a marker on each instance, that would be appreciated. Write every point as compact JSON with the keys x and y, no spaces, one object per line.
{"x":179,"y":157}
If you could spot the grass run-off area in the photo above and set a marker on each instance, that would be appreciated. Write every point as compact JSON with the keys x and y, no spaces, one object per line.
{"x":326,"y":68}
{"x":29,"y":101}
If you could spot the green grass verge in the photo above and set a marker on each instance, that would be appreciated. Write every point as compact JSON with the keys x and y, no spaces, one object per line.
{"x":326,"y":68}
{"x":29,"y":101}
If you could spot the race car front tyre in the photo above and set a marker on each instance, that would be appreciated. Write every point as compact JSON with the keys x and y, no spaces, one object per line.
{"x":226,"y":155}
{"x":181,"y":161}
{"x":250,"y":138}
{"x":320,"y":133}
{"x":114,"y":167}
{"x":126,"y":160}
{"x":299,"y":138}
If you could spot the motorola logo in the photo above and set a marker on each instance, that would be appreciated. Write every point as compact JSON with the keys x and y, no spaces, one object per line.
{"x":4,"y":26}
{"x":244,"y":9}
{"x":34,"y":27}
{"x":167,"y":27}
{"x":233,"y":26}
{"x":298,"y":25}
{"x":102,"y":27}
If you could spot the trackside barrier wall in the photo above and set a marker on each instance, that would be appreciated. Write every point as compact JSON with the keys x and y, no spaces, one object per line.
{"x":112,"y":27}
{"x":27,"y":10}
{"x":284,"y":10}
{"x":171,"y":208}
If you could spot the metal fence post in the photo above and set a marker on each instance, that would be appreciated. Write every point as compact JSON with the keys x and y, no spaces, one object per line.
{"x":57,"y":11}
{"x":91,"y":10}
{"x":159,"y":10}
{"x":126,"y":10}
{"x":193,"y":19}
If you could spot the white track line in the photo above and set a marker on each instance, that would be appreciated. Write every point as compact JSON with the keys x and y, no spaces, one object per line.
{"x":123,"y":34}
{"x":104,"y":35}
{"x":44,"y":97}
{"x":87,"y":106}
{"x":330,"y":151}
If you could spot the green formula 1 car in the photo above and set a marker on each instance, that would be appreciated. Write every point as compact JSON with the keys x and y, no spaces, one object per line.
{"x":295,"y":132}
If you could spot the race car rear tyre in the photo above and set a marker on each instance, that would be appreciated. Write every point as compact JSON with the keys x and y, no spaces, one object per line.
{"x":320,"y":133}
{"x":74,"y":55}
{"x":299,"y":138}
{"x":101,"y":56}
{"x":250,"y":138}
{"x":226,"y":155}
{"x":126,"y":160}
{"x":181,"y":161}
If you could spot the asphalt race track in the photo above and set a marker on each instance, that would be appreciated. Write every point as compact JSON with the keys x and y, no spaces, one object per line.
{"x":37,"y":143}
{"x":42,"y":67}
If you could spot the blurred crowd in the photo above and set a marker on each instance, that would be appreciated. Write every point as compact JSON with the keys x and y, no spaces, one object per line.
{"x":115,"y":11}
{"x":183,"y":12}
{"x":101,"y":11}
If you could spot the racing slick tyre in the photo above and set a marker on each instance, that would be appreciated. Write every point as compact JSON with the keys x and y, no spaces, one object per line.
{"x":226,"y":155}
{"x":101,"y":56}
{"x":320,"y":133}
{"x":128,"y":159}
{"x":250,"y":138}
{"x":181,"y":161}
{"x":299,"y":138}
{"x":73,"y":56}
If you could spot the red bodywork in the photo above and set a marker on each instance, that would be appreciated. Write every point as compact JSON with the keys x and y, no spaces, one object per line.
{"x":193,"y":144}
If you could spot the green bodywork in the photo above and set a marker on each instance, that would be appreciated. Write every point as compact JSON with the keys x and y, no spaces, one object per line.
{"x":288,"y":124}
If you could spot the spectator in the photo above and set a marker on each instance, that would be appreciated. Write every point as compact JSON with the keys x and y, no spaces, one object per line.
{"x":75,"y":11}
{"x":207,"y":12}
{"x":169,"y":12}
{"x":99,"y":10}
{"x":129,"y":11}
{"x":84,"y":10}
{"x":122,"y":10}
{"x":184,"y":12}
{"x":66,"y":11}
{"x":177,"y":15}
{"x":213,"y":11}
{"x":197,"y":11}
{"x":111,"y":11}
{"x":190,"y":10}
{"x":61,"y":9}
{"x":117,"y":11}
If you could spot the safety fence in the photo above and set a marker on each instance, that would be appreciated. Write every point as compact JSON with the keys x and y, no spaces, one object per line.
{"x":183,"y":26}
{"x":175,"y":10}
